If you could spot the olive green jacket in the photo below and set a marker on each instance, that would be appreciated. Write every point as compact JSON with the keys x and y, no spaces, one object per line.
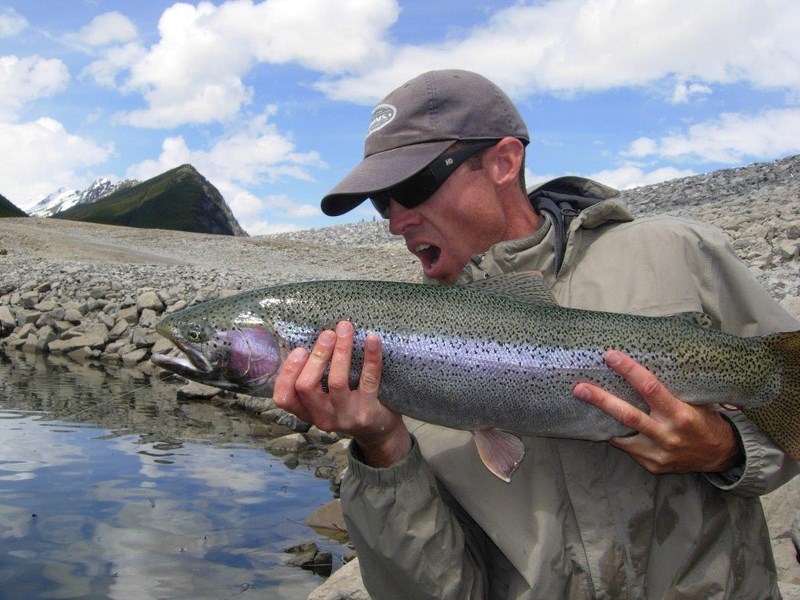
{"x":582,"y":519}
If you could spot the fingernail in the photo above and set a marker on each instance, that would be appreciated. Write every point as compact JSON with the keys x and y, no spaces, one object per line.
{"x":613,"y":358}
{"x":343,"y":328}
{"x":297,"y":355}
{"x":581,"y":392}
{"x":326,"y":338}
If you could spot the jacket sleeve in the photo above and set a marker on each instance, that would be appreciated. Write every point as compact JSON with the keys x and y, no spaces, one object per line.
{"x":765,"y":468}
{"x":740,"y":305}
{"x":410,"y":542}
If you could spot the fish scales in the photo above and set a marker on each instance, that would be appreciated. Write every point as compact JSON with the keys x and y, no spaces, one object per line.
{"x":472,"y":359}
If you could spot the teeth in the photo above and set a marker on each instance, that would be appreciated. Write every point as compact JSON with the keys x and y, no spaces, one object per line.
{"x":422,"y":247}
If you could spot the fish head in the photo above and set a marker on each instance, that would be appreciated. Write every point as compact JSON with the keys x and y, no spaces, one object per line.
{"x":240,"y":354}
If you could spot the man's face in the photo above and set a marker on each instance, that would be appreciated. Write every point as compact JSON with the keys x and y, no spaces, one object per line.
{"x":462,"y":218}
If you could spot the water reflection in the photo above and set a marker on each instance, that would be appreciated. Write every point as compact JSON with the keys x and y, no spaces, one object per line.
{"x":110,"y":488}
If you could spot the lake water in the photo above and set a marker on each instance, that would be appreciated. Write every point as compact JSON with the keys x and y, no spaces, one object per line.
{"x":111,"y":488}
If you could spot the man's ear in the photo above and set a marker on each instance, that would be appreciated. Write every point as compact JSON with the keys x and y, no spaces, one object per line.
{"x":506,"y":159}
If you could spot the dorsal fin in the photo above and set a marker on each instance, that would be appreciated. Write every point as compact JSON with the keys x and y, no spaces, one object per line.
{"x":698,"y":319}
{"x":528,"y":286}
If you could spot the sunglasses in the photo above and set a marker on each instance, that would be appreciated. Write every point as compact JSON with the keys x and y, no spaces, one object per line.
{"x":416,"y":189}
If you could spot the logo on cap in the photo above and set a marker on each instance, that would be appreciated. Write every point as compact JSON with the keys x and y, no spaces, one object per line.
{"x":382,"y":115}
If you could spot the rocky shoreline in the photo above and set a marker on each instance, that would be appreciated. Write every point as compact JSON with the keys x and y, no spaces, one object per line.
{"x":93,"y":293}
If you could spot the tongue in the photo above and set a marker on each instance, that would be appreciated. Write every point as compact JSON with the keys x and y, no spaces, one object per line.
{"x":429,"y":256}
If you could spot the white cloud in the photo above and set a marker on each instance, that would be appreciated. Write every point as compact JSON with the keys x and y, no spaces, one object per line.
{"x":170,"y":106}
{"x":25,"y":79}
{"x":256,"y":152}
{"x":571,"y":46}
{"x":192,"y":75}
{"x":195,"y":72}
{"x":317,"y":34}
{"x":642,"y":146}
{"x":41,"y":156}
{"x":106,"y":29}
{"x":11,"y":22}
{"x":253,"y":155}
{"x":683,"y":91}
{"x":628,"y":177}
{"x":115,"y":60}
{"x":622,"y":178}
{"x":729,"y":139}
{"x":250,"y":210}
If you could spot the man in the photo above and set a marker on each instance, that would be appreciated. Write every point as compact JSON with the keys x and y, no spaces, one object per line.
{"x":670,"y":512}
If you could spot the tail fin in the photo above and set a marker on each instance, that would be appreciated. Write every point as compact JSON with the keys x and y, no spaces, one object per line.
{"x":780,"y":419}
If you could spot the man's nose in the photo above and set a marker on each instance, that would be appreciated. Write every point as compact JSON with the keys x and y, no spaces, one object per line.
{"x":401,"y":217}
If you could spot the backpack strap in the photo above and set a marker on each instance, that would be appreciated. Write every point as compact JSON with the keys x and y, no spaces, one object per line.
{"x":563,"y":199}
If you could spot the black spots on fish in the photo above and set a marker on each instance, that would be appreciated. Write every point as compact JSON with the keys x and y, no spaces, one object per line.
{"x":220,"y":341}
{"x":780,"y":418}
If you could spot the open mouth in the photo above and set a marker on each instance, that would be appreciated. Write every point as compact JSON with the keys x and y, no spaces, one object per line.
{"x":193,"y":363}
{"x":428,"y":255}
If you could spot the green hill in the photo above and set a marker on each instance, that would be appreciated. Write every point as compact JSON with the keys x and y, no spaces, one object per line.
{"x":7,"y":209}
{"x":180,"y":199}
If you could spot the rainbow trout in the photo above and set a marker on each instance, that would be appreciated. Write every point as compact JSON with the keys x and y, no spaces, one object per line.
{"x":498,"y":358}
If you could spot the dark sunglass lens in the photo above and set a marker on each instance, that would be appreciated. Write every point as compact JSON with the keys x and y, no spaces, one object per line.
{"x":380,"y":201}
{"x":417,"y":189}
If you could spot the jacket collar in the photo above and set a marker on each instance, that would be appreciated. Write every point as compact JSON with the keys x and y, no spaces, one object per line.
{"x":535,"y":252}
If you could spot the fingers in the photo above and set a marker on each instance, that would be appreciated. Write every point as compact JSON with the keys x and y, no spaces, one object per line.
{"x":340,"y":357}
{"x":642,"y":380}
{"x":311,"y":376}
{"x":373,"y":365}
{"x":284,"y":394}
{"x":646,"y":385}
{"x":339,"y":376}
{"x":622,"y":411}
{"x":298,"y":388}
{"x":338,"y":408}
{"x":674,"y":436}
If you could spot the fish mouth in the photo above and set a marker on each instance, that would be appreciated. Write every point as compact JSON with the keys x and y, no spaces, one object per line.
{"x":193,"y":365}
{"x":233,"y":371}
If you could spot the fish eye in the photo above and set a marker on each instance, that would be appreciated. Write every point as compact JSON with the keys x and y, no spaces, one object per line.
{"x":195,"y":333}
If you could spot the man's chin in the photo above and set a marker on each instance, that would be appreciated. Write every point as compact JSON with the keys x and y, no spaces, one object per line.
{"x":438,"y":274}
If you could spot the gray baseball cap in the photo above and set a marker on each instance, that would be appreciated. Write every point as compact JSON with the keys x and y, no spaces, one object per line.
{"x":416,"y":123}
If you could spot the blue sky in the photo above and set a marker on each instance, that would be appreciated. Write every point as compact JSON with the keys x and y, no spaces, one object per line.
{"x":270,"y":100}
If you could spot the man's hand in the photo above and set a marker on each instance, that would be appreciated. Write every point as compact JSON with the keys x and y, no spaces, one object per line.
{"x":675,"y":437}
{"x":379,"y":432}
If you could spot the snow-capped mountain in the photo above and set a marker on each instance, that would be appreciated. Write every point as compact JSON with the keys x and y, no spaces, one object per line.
{"x":63,"y":198}
{"x":52,"y":203}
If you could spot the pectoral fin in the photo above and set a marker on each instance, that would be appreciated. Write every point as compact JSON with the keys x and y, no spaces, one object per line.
{"x":500,"y":451}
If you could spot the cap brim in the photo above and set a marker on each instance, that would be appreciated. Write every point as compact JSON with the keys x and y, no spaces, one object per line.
{"x":379,"y":172}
